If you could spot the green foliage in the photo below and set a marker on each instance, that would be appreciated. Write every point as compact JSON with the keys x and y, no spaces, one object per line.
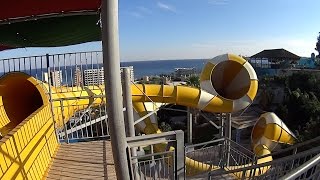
{"x":301,"y":109}
{"x":318,"y":45}
{"x":193,"y":81}
{"x":165,"y":127}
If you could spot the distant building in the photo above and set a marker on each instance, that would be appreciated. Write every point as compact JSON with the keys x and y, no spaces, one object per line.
{"x":274,"y":58}
{"x":56,"y":78}
{"x":78,"y":80}
{"x":184,"y":72}
{"x":146,"y":78}
{"x":131,"y":72}
{"x":93,"y":76}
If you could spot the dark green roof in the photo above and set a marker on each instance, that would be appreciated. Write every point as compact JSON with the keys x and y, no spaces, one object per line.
{"x":50,"y":32}
{"x":276,"y":54}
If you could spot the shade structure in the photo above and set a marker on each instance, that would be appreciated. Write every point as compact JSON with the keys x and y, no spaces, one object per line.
{"x":14,"y":9}
{"x":51,"y":32}
{"x":49,"y":23}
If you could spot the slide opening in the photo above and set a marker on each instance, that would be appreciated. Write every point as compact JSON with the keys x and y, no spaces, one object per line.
{"x":20,"y":97}
{"x":230,"y":80}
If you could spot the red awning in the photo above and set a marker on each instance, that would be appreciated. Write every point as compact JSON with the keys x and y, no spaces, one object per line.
{"x":25,"y":8}
{"x":4,"y":47}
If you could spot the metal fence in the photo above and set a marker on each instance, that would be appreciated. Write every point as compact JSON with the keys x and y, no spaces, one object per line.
{"x":271,"y":170}
{"x":309,"y":170}
{"x":91,"y":123}
{"x":72,"y":72}
{"x":216,"y":153}
{"x":151,"y":162}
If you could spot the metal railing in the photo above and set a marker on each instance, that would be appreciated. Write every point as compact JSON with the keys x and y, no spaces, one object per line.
{"x":216,"y":152}
{"x":149,"y":164}
{"x":271,"y":170}
{"x":308,"y":170}
{"x":91,"y":123}
{"x":67,"y":70}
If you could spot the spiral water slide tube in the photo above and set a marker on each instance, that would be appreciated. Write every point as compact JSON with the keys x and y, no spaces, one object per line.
{"x":228,"y":84}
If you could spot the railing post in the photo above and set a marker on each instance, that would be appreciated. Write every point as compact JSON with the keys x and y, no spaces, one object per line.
{"x":66,"y":138}
{"x":228,"y":135}
{"x":180,"y":156}
{"x":111,"y":64}
{"x":127,"y":100}
{"x":50,"y":97}
{"x":189,"y":125}
{"x":129,"y":119}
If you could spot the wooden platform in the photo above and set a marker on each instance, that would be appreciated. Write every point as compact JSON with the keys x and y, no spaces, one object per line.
{"x":84,"y":160}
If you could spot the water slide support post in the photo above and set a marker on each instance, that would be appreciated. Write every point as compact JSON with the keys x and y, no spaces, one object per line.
{"x":127,"y":100}
{"x":129,"y":119}
{"x":228,"y":135}
{"x":189,"y":125}
{"x":111,"y":64}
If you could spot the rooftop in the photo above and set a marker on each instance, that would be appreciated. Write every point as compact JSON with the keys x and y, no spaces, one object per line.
{"x":276,"y":55}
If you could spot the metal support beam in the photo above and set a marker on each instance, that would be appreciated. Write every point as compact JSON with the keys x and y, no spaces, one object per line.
{"x":180,"y":156}
{"x":127,"y":100}
{"x":189,"y":125}
{"x":228,"y":135}
{"x":129,"y":119}
{"x":111,"y":64}
{"x":222,"y":125}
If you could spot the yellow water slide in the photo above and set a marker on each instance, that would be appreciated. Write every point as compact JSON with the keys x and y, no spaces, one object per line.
{"x":21,"y":95}
{"x":228,"y":84}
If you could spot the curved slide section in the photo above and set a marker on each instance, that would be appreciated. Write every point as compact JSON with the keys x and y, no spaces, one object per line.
{"x":21,"y":95}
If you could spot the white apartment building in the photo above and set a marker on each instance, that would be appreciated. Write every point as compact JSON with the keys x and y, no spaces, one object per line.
{"x":93,"y":76}
{"x":96,"y":76}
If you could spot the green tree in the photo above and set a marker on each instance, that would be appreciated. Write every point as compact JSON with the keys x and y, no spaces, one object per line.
{"x":193,"y":80}
{"x":301,"y":109}
{"x":318,"y":45}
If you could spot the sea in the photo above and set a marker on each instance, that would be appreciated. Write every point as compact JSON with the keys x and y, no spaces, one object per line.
{"x":159,"y":67}
{"x":141,"y":68}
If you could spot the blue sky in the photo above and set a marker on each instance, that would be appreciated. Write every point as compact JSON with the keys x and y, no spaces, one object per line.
{"x":179,"y":29}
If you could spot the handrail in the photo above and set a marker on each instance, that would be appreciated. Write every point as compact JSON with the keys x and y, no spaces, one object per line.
{"x":205,"y":143}
{"x":293,"y":147}
{"x":50,"y":55}
{"x":303,"y":168}
{"x":243,"y":148}
{"x":270,"y":163}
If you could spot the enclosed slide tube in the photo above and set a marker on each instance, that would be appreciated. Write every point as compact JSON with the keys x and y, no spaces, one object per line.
{"x":228,"y":84}
{"x":21,"y":95}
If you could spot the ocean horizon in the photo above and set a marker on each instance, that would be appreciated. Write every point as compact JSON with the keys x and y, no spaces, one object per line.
{"x":158,"y":67}
{"x":141,"y":68}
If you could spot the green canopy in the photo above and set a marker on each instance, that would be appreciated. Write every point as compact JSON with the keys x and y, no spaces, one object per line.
{"x":47,"y":32}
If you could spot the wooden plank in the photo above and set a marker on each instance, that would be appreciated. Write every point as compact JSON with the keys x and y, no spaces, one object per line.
{"x":84,"y":160}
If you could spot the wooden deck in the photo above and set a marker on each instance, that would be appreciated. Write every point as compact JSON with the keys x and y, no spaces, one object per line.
{"x":84,"y":160}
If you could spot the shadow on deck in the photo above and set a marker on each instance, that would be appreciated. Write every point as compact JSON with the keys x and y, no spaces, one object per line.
{"x":84,"y":160}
